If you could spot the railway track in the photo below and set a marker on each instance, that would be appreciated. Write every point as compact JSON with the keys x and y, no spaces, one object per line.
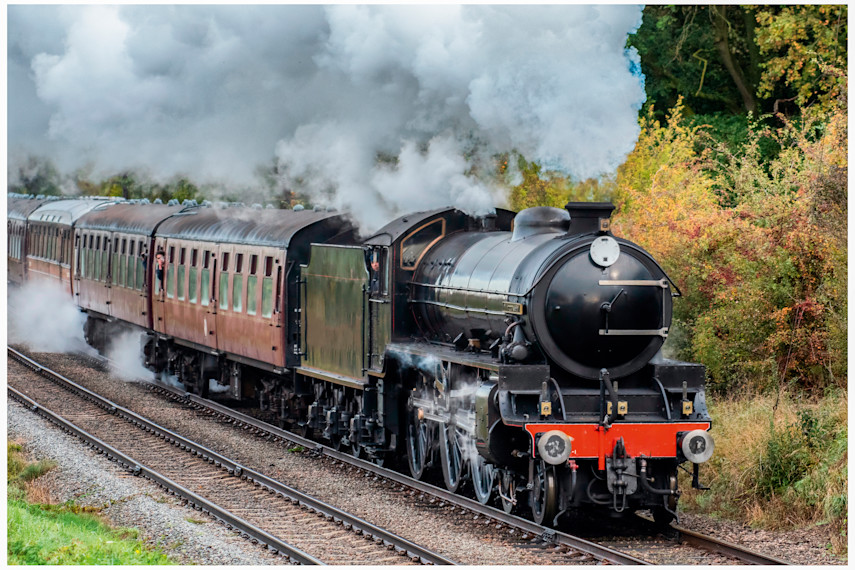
{"x":725,"y":548}
{"x":726,"y":552}
{"x":293,"y":524}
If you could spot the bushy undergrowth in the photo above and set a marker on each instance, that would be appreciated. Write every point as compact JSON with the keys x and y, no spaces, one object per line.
{"x":40,"y":533}
{"x":780,"y":462}
{"x":757,"y":244}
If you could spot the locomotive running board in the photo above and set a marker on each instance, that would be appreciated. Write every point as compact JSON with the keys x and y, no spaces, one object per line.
{"x":348,"y":381}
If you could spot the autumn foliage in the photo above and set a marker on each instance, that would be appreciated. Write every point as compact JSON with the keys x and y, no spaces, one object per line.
{"x":757,"y":245}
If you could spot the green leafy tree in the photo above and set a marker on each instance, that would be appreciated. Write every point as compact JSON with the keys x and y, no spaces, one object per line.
{"x":803,"y":48}
{"x":739,"y":59}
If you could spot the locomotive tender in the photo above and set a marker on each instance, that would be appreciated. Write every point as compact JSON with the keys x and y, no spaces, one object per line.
{"x":517,"y":355}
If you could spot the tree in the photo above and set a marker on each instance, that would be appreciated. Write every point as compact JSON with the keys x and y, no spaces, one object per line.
{"x":717,"y":56}
{"x":802,"y":46}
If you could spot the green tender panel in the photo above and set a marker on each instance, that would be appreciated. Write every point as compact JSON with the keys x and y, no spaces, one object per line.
{"x":333,"y":307}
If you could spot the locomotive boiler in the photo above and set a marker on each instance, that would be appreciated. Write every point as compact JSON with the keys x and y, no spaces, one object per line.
{"x":515,"y":356}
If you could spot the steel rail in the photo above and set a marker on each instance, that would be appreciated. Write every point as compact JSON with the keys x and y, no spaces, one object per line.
{"x":725,"y":548}
{"x":231,"y":521}
{"x":240,"y":419}
{"x":400,"y":544}
{"x":709,"y":543}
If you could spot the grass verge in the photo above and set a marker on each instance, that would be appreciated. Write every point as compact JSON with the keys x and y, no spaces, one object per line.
{"x":780,"y":463}
{"x":43,"y":533}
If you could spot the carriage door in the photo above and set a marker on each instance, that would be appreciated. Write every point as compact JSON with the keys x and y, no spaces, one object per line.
{"x":379,"y":322}
{"x":208,"y":292}
{"x":158,"y":267}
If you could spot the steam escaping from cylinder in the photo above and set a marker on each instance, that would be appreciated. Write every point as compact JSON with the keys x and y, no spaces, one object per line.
{"x":125,"y":353}
{"x":42,"y":317}
{"x":373,"y":109}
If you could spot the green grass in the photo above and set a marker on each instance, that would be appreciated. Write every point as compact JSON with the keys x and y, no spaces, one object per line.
{"x":46,"y":534}
{"x":64,"y":534}
{"x":778,"y":466}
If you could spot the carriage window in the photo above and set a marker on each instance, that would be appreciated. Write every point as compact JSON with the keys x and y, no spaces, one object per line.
{"x":93,"y":261}
{"x":105,"y":260}
{"x":81,"y":256}
{"x":170,"y":279}
{"x":417,"y":243}
{"x":131,"y":263}
{"x":140,"y":273}
{"x":96,"y":262}
{"x":251,"y":282}
{"x":225,"y":265}
{"x":191,"y":285}
{"x":84,"y":257}
{"x":205,"y":288}
{"x":237,"y":292}
{"x":268,"y":266}
{"x":180,"y":280}
{"x":125,"y":271}
{"x":239,"y":263}
{"x":267,"y":297}
{"x":206,"y":258}
{"x":224,"y":287}
{"x":253,"y":264}
{"x":116,"y":272}
{"x":141,"y":263}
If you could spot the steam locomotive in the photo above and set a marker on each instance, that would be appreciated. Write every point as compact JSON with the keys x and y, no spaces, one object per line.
{"x":513,"y":355}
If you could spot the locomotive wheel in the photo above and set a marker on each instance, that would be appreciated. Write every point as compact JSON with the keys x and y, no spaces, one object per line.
{"x":483,"y":476}
{"x":357,"y":450}
{"x":418,"y":446}
{"x":302,"y":429}
{"x":544,"y":495}
{"x":452,"y":457}
{"x":508,"y":491}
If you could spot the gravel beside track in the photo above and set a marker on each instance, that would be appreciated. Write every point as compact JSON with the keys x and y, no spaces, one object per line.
{"x":90,"y":480}
{"x":456,"y":534}
{"x":324,"y":537}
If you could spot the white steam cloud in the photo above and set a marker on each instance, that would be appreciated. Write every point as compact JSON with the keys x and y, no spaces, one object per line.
{"x":42,"y":317}
{"x":373,"y":109}
{"x":125,"y":354}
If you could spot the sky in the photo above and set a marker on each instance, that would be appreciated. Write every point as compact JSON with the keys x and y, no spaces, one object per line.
{"x":374,"y":110}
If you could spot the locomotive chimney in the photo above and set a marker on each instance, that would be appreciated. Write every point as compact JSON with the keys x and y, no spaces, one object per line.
{"x":488,"y":222}
{"x":589,"y":217}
